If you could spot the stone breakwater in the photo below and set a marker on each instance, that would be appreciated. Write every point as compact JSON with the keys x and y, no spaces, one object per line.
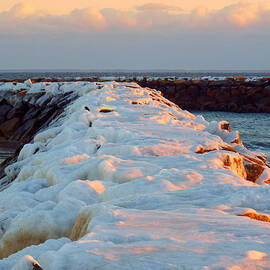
{"x":231,"y":95}
{"x":23,"y":114}
{"x":125,"y":179}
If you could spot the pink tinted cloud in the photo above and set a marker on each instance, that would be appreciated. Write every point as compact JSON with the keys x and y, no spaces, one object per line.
{"x":24,"y":18}
{"x":157,"y":7}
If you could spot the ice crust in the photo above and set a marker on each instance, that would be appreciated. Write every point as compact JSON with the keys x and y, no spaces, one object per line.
{"x":119,"y":175}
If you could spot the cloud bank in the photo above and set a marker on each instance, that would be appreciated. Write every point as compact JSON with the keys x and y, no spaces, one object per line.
{"x":149,"y":36}
{"x":25,"y":19}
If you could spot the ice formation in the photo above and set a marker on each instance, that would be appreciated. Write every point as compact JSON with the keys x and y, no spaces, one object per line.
{"x":127,"y":180}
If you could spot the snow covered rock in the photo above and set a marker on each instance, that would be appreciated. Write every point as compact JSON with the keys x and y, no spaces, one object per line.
{"x":125,"y":179}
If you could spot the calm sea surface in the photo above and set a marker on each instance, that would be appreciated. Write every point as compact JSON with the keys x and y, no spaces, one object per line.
{"x":254,"y":128}
{"x":128,"y":74}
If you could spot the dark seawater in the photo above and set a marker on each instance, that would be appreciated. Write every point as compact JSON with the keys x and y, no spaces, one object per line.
{"x":254,"y":128}
{"x":127,"y":74}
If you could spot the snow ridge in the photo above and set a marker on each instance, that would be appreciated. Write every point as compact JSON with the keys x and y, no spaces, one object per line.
{"x":127,"y":180}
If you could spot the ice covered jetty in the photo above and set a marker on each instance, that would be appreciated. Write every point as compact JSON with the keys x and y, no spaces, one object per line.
{"x":125,"y":179}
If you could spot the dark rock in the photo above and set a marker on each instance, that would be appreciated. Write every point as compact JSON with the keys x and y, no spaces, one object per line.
{"x":247,"y":108}
{"x":44,"y":113}
{"x":18,"y":111}
{"x":4,"y":109}
{"x":8,"y":127}
{"x":106,"y":110}
{"x":235,"y":91}
{"x":180,"y":86}
{"x":170,"y":90}
{"x":36,"y":267}
{"x":31,"y":113}
{"x":22,"y":93}
{"x":193,"y":90}
{"x":223,"y":96}
{"x":2,"y":119}
{"x":25,"y":131}
{"x":212,"y":92}
{"x":232,"y":107}
{"x":225,"y":125}
{"x":266,"y":90}
{"x":254,"y":171}
{"x":264,"y":102}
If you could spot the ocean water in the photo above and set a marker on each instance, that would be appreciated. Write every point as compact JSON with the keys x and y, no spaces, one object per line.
{"x":254,"y":128}
{"x":129,"y":74}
